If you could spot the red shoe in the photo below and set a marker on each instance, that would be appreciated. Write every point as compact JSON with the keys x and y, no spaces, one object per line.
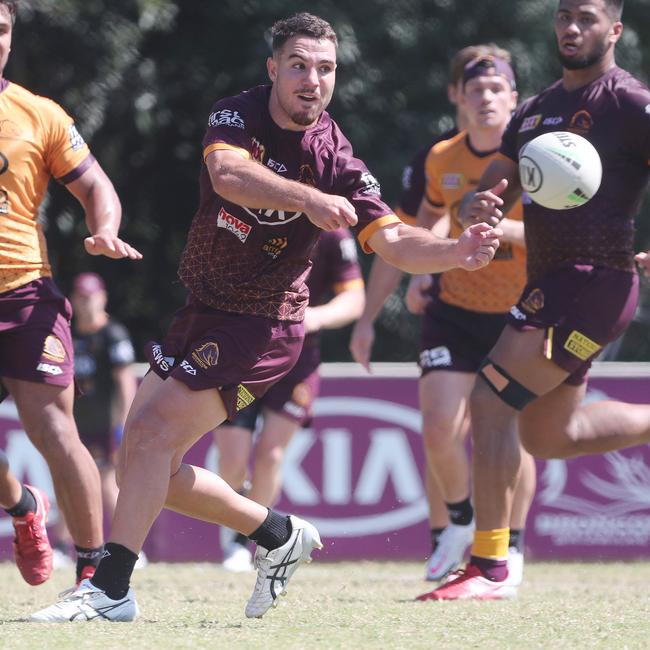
{"x":470,"y":584}
{"x":32,"y":549}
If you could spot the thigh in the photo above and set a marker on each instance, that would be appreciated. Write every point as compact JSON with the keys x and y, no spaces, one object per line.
{"x":277,"y":430}
{"x":444,"y":395}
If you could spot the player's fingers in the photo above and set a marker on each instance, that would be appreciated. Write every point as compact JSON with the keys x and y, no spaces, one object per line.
{"x":500,"y":187}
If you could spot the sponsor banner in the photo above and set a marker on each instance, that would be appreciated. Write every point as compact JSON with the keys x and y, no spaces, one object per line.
{"x":357,"y":473}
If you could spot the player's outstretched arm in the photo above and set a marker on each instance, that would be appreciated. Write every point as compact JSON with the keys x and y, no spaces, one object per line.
{"x":250,"y":184}
{"x":416,"y":250}
{"x":382,"y":282}
{"x":94,"y":190}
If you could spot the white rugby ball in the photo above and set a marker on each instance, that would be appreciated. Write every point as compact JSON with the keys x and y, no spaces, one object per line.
{"x":560,"y":170}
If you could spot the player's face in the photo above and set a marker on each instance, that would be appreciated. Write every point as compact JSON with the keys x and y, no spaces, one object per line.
{"x":487,"y":102}
{"x":5,"y":36}
{"x":303,"y":73}
{"x":585,"y":33}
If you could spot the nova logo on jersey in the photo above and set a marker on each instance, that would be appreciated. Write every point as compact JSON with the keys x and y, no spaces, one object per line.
{"x":237,"y":227}
{"x":53,"y":349}
{"x":207,"y":355}
{"x":76,"y":140}
{"x":226,"y":117}
{"x":530,"y":123}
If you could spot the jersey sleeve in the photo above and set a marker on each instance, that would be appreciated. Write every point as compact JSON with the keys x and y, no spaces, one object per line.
{"x":66,"y":154}
{"x":413,"y":183}
{"x":120,"y":348}
{"x":509,"y":146}
{"x":433,"y":192}
{"x":635,"y":107}
{"x":362,"y":189}
{"x":228,"y":127}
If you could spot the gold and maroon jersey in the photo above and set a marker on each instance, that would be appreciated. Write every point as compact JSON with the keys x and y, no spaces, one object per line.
{"x":613,"y":113}
{"x":453,"y":169}
{"x":38,"y":140}
{"x":256,"y":261}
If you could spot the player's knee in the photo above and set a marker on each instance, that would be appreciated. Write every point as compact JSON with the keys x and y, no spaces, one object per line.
{"x":54,"y":436}
{"x":437,"y":433}
{"x":503,"y":385}
{"x":269,"y":456}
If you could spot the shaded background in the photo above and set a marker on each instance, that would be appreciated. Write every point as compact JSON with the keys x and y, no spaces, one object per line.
{"x":140,"y":76}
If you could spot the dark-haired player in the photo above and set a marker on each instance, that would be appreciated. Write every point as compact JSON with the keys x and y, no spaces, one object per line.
{"x":581,"y":292}
{"x":38,"y":141}
{"x":451,"y":360}
{"x":276,"y":166}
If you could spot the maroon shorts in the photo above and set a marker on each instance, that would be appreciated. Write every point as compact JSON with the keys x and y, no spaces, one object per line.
{"x":582,"y":308}
{"x":456,"y":339}
{"x":241,"y":355}
{"x":35,"y":340}
{"x":293,"y":396}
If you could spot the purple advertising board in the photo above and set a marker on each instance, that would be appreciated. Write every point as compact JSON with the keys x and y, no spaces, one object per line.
{"x":357,"y":473}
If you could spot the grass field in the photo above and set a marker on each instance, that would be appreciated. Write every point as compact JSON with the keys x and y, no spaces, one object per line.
{"x":348,"y":605}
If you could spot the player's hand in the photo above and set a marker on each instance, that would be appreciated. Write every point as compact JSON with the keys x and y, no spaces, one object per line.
{"x":483,"y":207}
{"x":477,"y":245}
{"x":110,"y":246}
{"x":361,"y":341}
{"x":643,"y":260}
{"x":417,"y":295}
{"x":330,"y":212}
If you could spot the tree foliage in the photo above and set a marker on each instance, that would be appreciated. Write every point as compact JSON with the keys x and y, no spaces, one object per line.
{"x":139,"y":76}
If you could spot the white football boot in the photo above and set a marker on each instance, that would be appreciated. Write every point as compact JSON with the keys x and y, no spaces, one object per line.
{"x":275,"y":568}
{"x":88,"y":603}
{"x":450,"y":551}
{"x":515,"y":567}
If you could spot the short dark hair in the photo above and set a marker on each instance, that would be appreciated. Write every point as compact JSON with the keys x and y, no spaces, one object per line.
{"x":302,"y":24}
{"x":11,"y":6}
{"x":614,"y":8}
{"x":471,"y":52}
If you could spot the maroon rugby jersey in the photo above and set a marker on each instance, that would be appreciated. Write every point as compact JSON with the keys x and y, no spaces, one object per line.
{"x":613,"y":113}
{"x":252,"y":261}
{"x":414,"y":180}
{"x":335,"y":268}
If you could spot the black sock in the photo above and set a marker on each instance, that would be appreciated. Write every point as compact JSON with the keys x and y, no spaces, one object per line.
{"x":274,"y":531}
{"x":435,"y":534}
{"x":114,"y":571}
{"x":26,"y":504}
{"x":517,"y":539}
{"x":240,"y":539}
{"x":461,"y":513}
{"x":87,"y":557}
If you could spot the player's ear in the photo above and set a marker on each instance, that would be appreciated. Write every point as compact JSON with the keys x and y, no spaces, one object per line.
{"x":615,"y":31}
{"x":515,"y":98}
{"x":271,"y":69}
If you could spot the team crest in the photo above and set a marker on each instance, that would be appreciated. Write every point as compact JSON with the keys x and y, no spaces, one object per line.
{"x":306,"y":176}
{"x":534,"y":301}
{"x":207,"y":355}
{"x":53,"y":349}
{"x":257,"y":150}
{"x":581,"y":122}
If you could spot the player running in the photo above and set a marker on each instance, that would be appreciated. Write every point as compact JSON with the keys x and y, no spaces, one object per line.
{"x":275,"y":166}
{"x":38,"y":140}
{"x":581,"y":292}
